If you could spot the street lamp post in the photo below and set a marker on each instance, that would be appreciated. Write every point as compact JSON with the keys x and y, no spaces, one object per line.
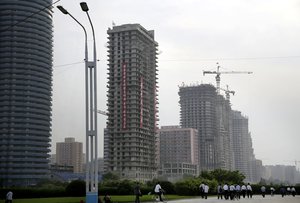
{"x":91,"y":113}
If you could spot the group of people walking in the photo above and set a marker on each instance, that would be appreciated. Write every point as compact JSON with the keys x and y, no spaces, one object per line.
{"x":234,"y":191}
{"x":287,"y":191}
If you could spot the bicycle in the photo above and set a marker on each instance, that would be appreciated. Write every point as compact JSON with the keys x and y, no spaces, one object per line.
{"x":155,"y":197}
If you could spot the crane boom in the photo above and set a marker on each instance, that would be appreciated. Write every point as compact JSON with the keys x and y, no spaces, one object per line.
{"x":218,"y":73}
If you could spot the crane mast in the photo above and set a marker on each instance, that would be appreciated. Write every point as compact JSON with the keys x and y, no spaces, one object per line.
{"x":228,"y":92}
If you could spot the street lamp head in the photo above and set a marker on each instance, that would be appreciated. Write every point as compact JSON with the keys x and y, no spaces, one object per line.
{"x":84,"y":6}
{"x":64,"y":11}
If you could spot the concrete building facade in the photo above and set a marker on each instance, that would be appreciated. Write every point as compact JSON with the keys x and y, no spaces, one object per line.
{"x":244,"y":158}
{"x":201,"y":108}
{"x":178,"y":151}
{"x":178,"y":145}
{"x":25,"y":91}
{"x":70,"y":153}
{"x":132,"y":102}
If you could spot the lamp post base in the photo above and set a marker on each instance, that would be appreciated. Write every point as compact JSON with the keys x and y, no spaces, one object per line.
{"x":92,"y":197}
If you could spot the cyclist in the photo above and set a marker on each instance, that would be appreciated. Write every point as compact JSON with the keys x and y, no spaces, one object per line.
{"x":158,"y":191}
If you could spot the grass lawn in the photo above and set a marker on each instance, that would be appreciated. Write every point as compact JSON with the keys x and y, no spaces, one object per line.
{"x":125,"y":198}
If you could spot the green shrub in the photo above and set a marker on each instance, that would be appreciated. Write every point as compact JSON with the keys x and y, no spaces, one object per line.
{"x":76,"y":188}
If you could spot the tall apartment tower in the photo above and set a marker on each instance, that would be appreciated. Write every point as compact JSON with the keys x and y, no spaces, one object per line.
{"x":70,"y":153}
{"x":132,"y":102}
{"x":25,"y":90}
{"x":242,"y":144}
{"x":198,"y":110}
{"x":203,"y":109}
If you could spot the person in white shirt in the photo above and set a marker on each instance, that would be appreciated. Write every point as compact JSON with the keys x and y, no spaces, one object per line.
{"x":244,"y":190}
{"x":9,"y":197}
{"x":158,"y":191}
{"x":263,"y":191}
{"x":206,"y":189}
{"x":249,"y":191}
{"x":272,"y":190}
{"x":288,"y":190}
{"x":293,"y":190}
{"x":238,"y":191}
{"x":225,"y":189}
{"x":232,"y":191}
{"x":201,"y":188}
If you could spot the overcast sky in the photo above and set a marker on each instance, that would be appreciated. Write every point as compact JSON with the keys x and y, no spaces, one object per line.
{"x":193,"y":35}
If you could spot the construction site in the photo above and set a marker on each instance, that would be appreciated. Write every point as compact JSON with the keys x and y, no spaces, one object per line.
{"x":224,"y":139}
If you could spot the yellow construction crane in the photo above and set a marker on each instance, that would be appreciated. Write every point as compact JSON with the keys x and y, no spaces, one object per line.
{"x":228,"y":92}
{"x":218,"y":73}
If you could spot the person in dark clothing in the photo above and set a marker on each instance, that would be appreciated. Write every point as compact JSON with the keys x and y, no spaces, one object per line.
{"x":137,"y":193}
{"x":106,"y":199}
{"x":220,"y":191}
{"x":282,"y":191}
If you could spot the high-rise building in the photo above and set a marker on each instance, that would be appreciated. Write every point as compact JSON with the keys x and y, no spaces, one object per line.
{"x":198,"y":110}
{"x":201,"y":108}
{"x":70,"y":153}
{"x":25,"y":90}
{"x":132,"y":111}
{"x":242,"y":145}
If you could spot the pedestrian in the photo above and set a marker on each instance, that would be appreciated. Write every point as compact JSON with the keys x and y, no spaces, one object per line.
{"x":288,"y":190}
{"x":244,"y":190}
{"x":220,"y":191}
{"x":225,"y":189}
{"x":272,"y":190}
{"x":263,"y":191}
{"x":249,"y":191}
{"x":9,"y":197}
{"x":206,"y":189}
{"x":293,"y":190}
{"x":106,"y":199}
{"x":238,"y":191}
{"x":282,"y":191}
{"x":201,"y":188}
{"x":232,"y":191}
{"x":137,"y":192}
{"x":158,"y":191}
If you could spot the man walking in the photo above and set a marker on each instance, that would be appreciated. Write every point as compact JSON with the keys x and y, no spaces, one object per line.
{"x":137,"y":192}
{"x":220,"y":191}
{"x":9,"y":197}
{"x":249,"y":191}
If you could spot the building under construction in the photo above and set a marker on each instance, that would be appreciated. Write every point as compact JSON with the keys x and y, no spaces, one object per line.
{"x":204,"y":110}
{"x":132,"y":103}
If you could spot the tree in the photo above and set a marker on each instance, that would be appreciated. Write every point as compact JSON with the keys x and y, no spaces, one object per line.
{"x":110,"y":176}
{"x":223,"y":176}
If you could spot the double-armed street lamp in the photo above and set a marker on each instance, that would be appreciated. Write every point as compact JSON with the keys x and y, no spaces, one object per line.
{"x":91,"y":115}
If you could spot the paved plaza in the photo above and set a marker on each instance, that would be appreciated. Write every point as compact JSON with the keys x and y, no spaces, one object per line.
{"x":255,"y":199}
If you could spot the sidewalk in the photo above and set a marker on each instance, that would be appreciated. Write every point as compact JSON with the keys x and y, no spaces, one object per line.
{"x":255,"y":199}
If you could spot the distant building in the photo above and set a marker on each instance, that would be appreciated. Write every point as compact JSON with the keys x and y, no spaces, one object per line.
{"x":26,"y":40}
{"x":178,"y":151}
{"x":53,"y":159}
{"x":130,"y":137}
{"x":281,"y":174}
{"x":178,"y":145}
{"x":70,"y":153}
{"x":177,"y":170}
